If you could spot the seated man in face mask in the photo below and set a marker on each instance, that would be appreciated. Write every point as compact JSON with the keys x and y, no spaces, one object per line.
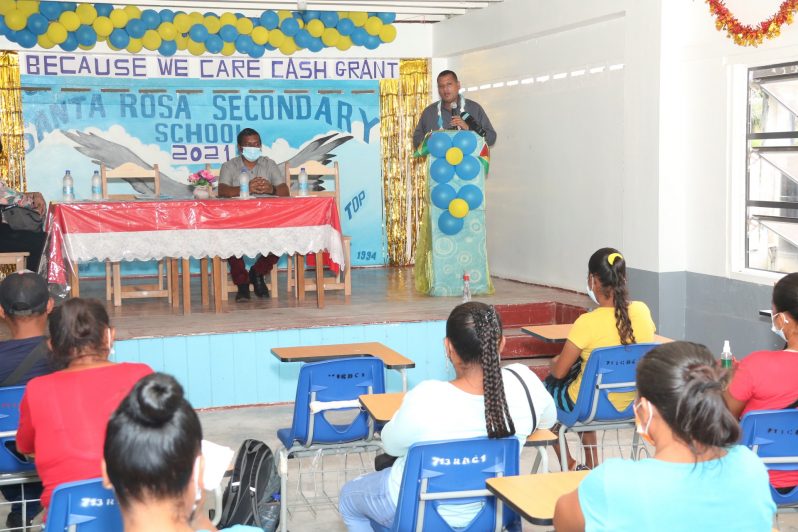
{"x":265,"y":177}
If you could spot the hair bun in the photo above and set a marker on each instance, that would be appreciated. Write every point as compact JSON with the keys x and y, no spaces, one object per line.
{"x":158,"y":398}
{"x":703,"y":378}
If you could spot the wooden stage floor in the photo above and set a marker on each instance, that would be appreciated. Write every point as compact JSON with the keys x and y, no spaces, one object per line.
{"x":379,"y":295}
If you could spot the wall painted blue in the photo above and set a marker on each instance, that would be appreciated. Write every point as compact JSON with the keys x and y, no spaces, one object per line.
{"x":239,"y":369}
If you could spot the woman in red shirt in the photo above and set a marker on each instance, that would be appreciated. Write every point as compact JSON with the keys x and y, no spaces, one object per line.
{"x":63,"y":415}
{"x":768,"y":380}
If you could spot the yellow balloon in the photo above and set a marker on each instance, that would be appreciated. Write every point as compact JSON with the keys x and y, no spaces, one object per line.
{"x":196,"y":48}
{"x":134,"y":46}
{"x":358,"y":17}
{"x":196,"y":17}
{"x":29,"y":7}
{"x":69,"y":20}
{"x":182,"y":42}
{"x":56,"y":33}
{"x":315,"y":27}
{"x":244,"y":26}
{"x":288,"y":47}
{"x":151,"y":40}
{"x":212,"y":24}
{"x":86,"y":13}
{"x":7,"y":7}
{"x":16,"y":19}
{"x":103,"y":26}
{"x":118,"y":18}
{"x":330,"y":37}
{"x":44,"y":41}
{"x":454,"y":156}
{"x":373,"y":25}
{"x":132,"y":12}
{"x":229,"y":48}
{"x":182,"y":22}
{"x":344,"y":43}
{"x":283,"y":14}
{"x":343,"y":14}
{"x":388,"y":33}
{"x":167,"y":31}
{"x":276,"y":37}
{"x":458,"y":208}
{"x":228,"y":18}
{"x":260,"y":35}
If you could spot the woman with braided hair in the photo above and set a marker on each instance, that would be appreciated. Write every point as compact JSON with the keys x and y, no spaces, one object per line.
{"x":482,"y":399}
{"x":698,"y":479}
{"x":616,"y":321}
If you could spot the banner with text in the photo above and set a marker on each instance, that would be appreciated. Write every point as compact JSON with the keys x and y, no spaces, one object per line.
{"x":75,"y":122}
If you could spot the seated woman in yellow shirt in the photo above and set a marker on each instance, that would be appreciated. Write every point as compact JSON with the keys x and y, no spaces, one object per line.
{"x":615,"y":321}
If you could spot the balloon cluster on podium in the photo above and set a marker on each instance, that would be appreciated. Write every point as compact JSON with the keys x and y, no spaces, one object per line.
{"x":70,"y":25}
{"x":454,"y":156}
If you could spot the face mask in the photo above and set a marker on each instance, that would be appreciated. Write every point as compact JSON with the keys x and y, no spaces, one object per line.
{"x":250,"y":153}
{"x":590,"y":293}
{"x":110,"y":344}
{"x":778,"y":332}
{"x":197,"y":490}
{"x":644,"y":431}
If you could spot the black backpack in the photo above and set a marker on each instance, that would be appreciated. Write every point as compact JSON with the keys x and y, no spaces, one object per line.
{"x":253,"y":495}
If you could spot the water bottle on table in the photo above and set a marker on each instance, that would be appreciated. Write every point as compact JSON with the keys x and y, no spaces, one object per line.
{"x":303,"y":182}
{"x":466,"y":287}
{"x":96,"y":186}
{"x":68,"y":187}
{"x":243,"y":183}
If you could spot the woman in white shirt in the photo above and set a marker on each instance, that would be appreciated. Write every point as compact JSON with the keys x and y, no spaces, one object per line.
{"x":482,"y":399}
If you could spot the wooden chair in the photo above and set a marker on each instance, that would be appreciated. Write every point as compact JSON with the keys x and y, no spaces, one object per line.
{"x":113,"y":271}
{"x":343,"y":279}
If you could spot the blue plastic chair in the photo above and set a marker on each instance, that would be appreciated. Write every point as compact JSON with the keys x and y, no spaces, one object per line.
{"x":11,"y":462}
{"x":608,"y":370}
{"x":85,"y":505}
{"x":454,"y":472}
{"x":341,"y":379}
{"x":771,"y":434}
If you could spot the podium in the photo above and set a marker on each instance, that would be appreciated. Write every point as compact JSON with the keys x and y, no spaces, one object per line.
{"x":453,"y":238}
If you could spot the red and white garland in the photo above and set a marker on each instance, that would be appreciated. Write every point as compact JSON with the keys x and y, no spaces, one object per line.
{"x":745,"y":35}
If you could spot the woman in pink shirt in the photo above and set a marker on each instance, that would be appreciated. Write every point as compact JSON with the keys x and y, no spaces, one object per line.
{"x":768,"y":380}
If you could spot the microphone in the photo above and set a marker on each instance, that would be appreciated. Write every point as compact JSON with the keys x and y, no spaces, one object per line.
{"x":453,"y":106}
{"x":472,"y":123}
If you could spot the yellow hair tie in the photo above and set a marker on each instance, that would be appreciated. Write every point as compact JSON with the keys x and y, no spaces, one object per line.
{"x":611,"y":257}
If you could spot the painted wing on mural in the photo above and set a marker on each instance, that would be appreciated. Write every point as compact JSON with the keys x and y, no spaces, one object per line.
{"x":318,"y":150}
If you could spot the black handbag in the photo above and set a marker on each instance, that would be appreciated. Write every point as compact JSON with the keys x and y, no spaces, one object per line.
{"x":23,"y":218}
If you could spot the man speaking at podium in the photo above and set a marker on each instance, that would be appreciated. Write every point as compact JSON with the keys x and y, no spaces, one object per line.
{"x":453,"y":111}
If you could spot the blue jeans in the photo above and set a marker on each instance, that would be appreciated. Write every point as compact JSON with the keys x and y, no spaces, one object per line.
{"x":366,"y":499}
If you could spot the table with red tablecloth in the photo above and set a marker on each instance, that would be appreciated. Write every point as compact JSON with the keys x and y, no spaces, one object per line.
{"x":149,"y":230}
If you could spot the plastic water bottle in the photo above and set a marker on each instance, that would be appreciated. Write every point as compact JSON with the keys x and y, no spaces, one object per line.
{"x":466,"y":287}
{"x":243,"y":183}
{"x":726,"y":355}
{"x":68,"y":187}
{"x":269,"y":515}
{"x":303,"y":182}
{"x":96,"y":186}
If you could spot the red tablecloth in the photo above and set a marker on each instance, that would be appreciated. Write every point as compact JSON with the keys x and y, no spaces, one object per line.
{"x":147,"y":230}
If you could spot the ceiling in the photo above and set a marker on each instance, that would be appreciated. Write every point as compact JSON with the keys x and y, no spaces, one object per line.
{"x":421,"y":11}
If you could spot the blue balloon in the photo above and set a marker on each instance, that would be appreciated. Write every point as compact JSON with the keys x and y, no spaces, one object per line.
{"x":468,"y":167}
{"x":167,"y":48}
{"x":310,"y":15}
{"x":103,"y":10}
{"x":303,"y":38}
{"x":441,"y":171}
{"x":472,"y":195}
{"x":386,"y":18}
{"x":257,"y":51}
{"x":438,"y":144}
{"x":151,"y":19}
{"x":290,"y":26}
{"x":214,"y":44}
{"x":69,"y":6}
{"x":346,"y":26}
{"x":373,"y":42}
{"x":86,"y":35}
{"x":244,"y":44}
{"x":24,"y":38}
{"x":359,"y":36}
{"x":198,"y":33}
{"x":51,"y":10}
{"x":136,"y":28}
{"x":37,"y":24}
{"x":119,"y":38}
{"x":70,"y":44}
{"x":330,"y":18}
{"x":167,"y":15}
{"x":466,"y":141}
{"x":316,"y":45}
{"x":4,"y":30}
{"x":269,"y":20}
{"x":442,"y":195}
{"x":448,"y":224}
{"x":228,"y":33}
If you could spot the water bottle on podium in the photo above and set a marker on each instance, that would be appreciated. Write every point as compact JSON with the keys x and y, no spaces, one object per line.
{"x":68,"y":187}
{"x":243,"y":183}
{"x":303,"y":182}
{"x":96,"y":187}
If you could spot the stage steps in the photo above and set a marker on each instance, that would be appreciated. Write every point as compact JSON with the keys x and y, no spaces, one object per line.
{"x":522,"y":347}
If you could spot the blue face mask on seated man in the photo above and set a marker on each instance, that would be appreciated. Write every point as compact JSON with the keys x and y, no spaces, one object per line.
{"x":250,"y":153}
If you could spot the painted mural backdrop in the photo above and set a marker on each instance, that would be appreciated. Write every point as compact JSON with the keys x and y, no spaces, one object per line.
{"x":185,"y":112}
